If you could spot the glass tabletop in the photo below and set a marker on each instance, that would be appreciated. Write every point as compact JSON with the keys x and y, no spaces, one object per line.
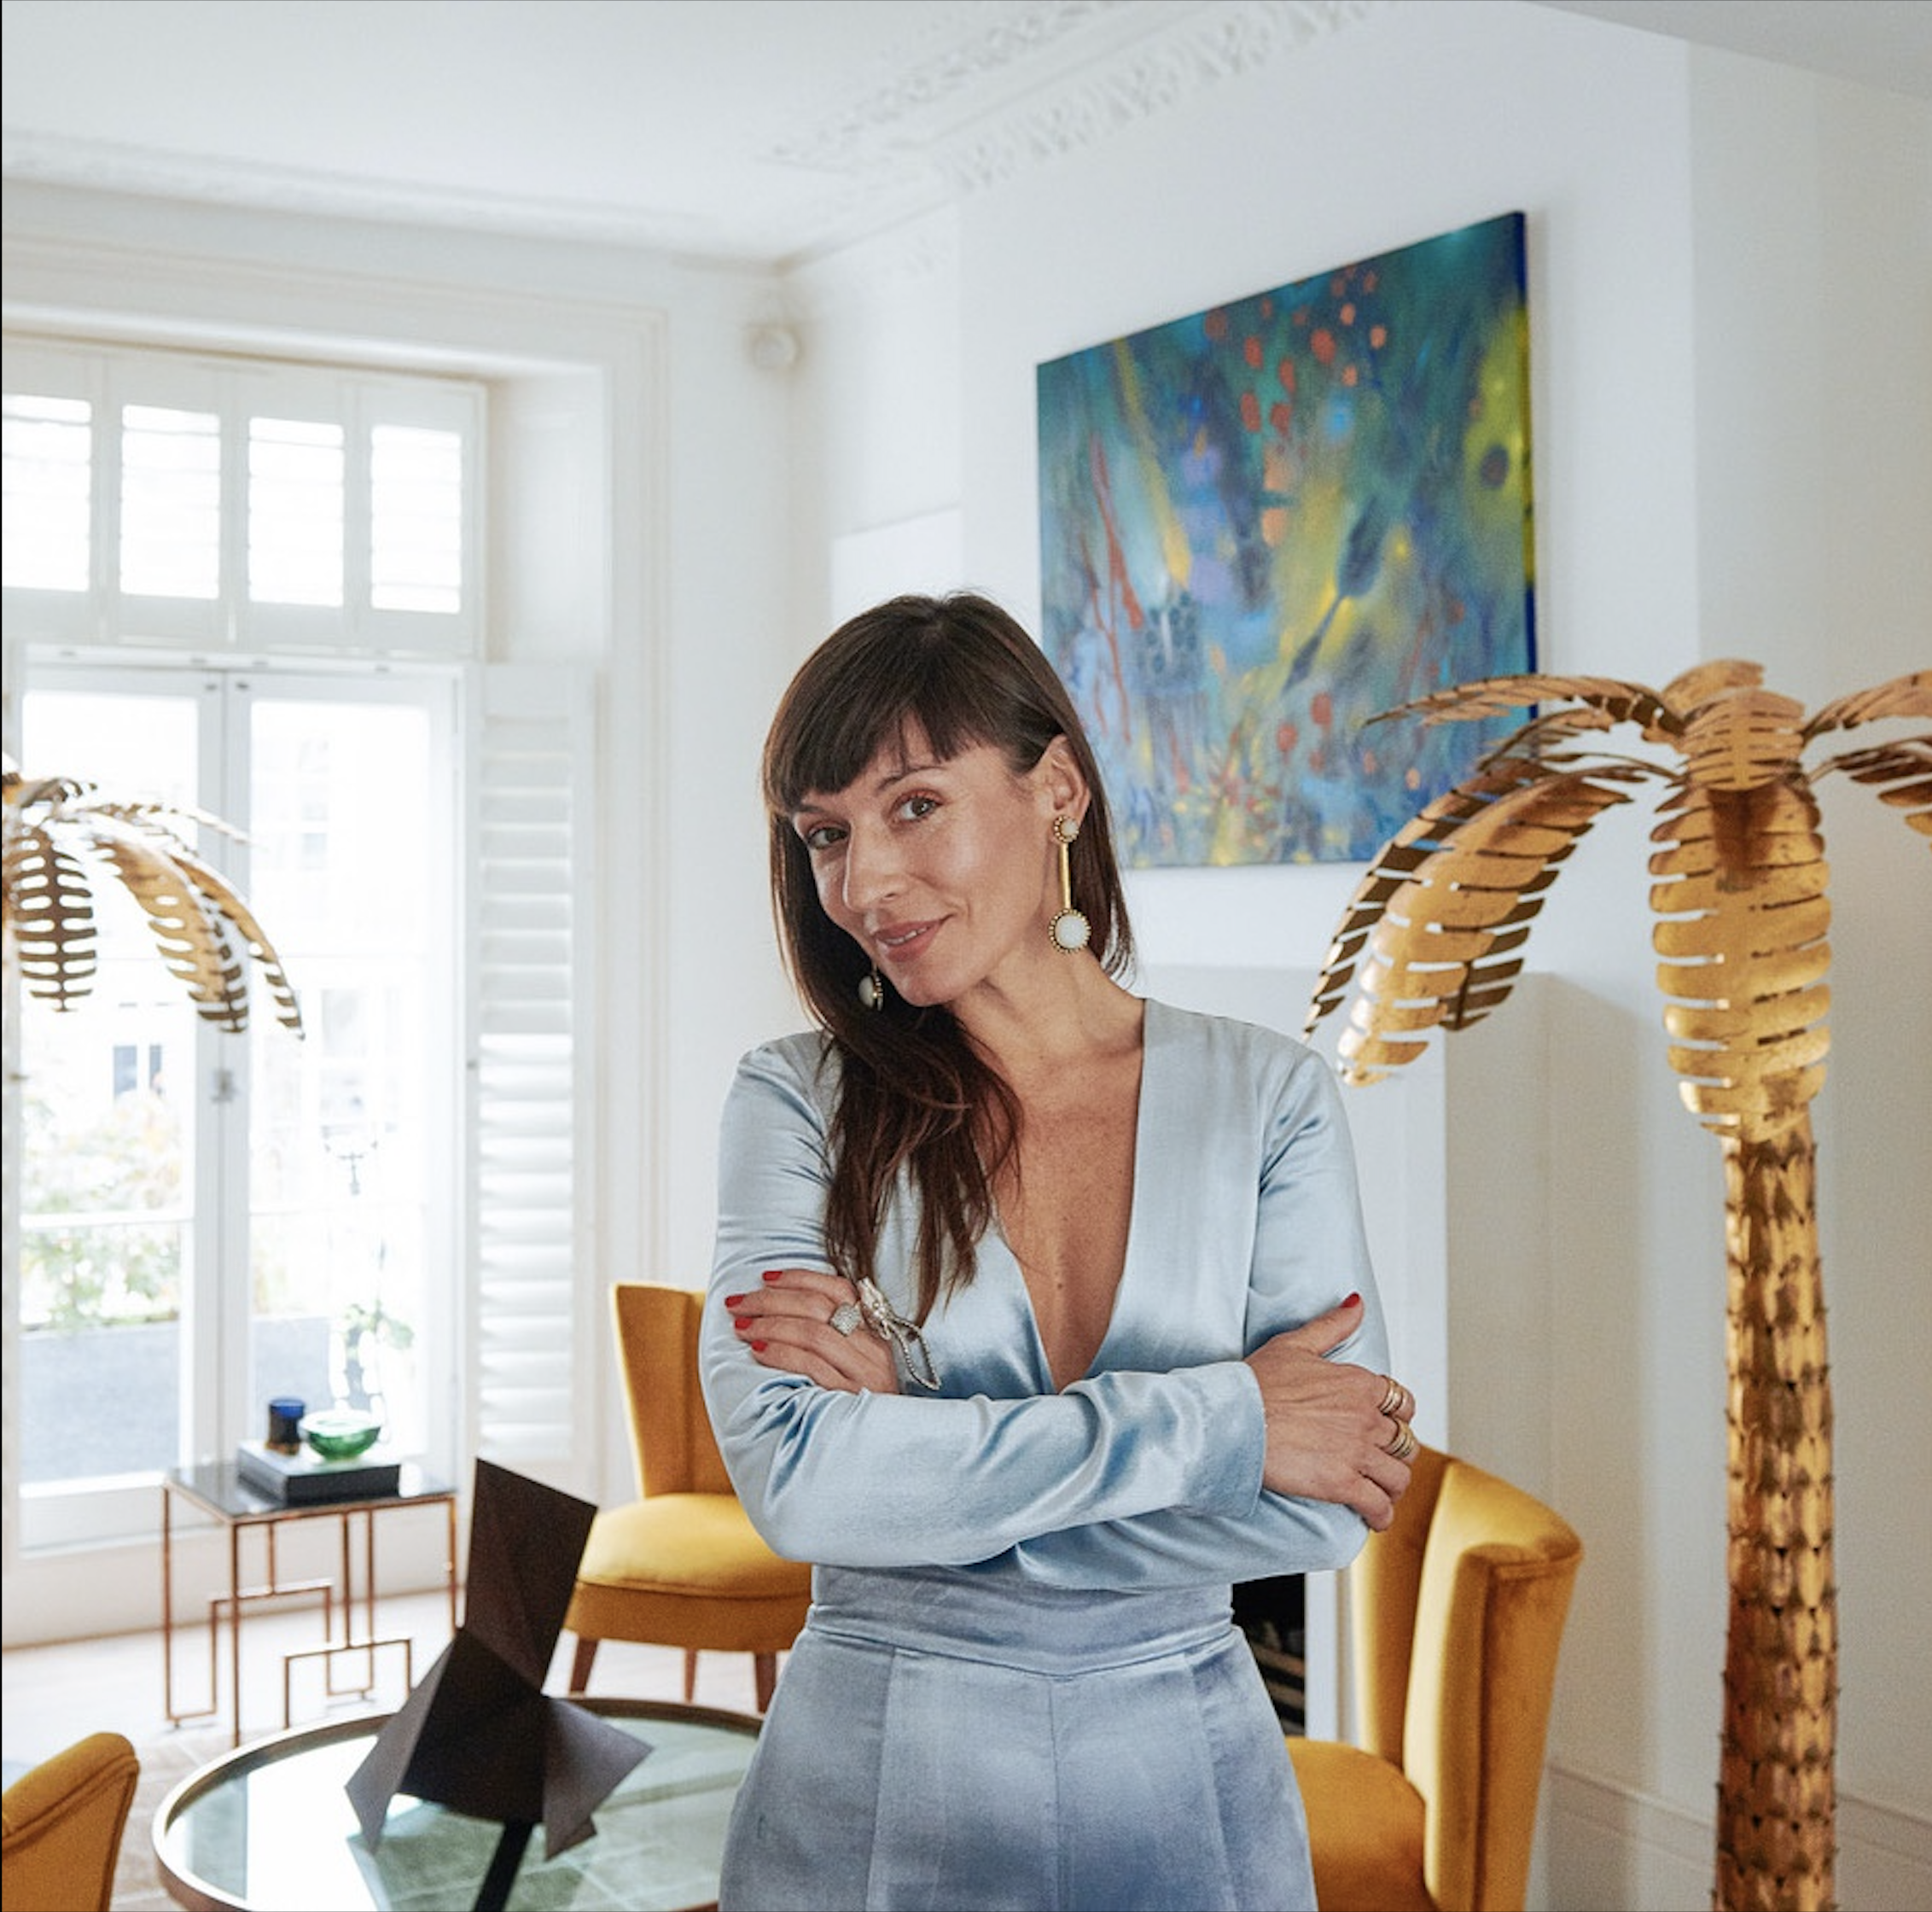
{"x":219,"y":1487}
{"x":270,"y":1828}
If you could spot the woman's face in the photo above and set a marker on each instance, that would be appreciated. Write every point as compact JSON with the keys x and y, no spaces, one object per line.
{"x":943,"y":872}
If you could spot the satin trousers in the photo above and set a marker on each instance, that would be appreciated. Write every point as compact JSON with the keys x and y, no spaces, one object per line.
{"x":957,"y":1740}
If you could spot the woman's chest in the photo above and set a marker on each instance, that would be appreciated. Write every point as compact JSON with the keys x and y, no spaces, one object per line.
{"x":1066,"y":1215}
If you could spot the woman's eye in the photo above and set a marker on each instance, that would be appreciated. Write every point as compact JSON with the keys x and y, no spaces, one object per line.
{"x":911,"y":808}
{"x":821,"y":837}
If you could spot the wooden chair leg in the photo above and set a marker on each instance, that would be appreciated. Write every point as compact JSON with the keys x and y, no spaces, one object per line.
{"x":581,"y":1664}
{"x":690,"y":1673}
{"x":765,"y":1678}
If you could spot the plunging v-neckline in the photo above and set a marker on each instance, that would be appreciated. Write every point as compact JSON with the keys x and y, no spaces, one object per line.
{"x":1043,"y":1360}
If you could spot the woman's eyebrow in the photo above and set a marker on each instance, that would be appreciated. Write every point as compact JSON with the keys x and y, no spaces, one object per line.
{"x":816,"y":802}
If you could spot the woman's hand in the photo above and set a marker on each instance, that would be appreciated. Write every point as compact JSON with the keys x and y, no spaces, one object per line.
{"x":1330,"y":1424}
{"x":787,"y":1324}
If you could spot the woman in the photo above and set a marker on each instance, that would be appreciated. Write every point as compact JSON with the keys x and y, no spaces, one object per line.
{"x":1024,"y":1295}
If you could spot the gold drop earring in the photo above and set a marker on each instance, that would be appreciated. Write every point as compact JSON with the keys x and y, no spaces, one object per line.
{"x":1069,"y":929}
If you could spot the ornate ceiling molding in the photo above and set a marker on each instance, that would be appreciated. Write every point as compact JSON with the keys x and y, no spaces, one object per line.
{"x":983,"y":89}
{"x":1156,"y":75}
{"x":969,"y":53}
{"x":1012,"y":82}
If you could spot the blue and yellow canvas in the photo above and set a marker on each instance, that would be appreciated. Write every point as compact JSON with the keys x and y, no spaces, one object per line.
{"x":1263,"y":524}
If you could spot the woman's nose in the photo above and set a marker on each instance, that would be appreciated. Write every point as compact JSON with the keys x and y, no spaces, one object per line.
{"x":871,"y":869}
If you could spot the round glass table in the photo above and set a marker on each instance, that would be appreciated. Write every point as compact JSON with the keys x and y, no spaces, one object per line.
{"x":268,"y":1828}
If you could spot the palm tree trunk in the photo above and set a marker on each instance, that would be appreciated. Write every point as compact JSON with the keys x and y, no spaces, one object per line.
{"x":1776,"y":1837}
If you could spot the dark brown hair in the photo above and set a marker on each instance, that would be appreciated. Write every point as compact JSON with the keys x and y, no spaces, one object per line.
{"x":915,"y":1096}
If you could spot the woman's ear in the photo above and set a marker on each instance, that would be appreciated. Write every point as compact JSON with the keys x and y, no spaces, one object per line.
{"x":1059,"y":773}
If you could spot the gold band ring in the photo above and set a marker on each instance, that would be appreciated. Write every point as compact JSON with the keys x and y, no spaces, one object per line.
{"x":1405,"y":1445}
{"x":1393,"y":1399}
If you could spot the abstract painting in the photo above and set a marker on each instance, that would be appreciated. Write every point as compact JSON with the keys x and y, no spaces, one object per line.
{"x":1263,"y":524}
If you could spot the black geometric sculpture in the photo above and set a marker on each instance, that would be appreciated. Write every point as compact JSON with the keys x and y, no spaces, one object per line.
{"x":478,"y":1734}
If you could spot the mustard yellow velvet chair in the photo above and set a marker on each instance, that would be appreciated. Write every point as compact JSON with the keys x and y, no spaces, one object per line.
{"x":64,"y":1822}
{"x":1456,"y":1616}
{"x":683,"y":1565}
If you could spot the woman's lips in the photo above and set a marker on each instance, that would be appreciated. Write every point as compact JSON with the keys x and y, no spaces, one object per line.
{"x":902,"y":940}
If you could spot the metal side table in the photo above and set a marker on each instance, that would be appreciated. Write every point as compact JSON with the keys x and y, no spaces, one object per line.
{"x":217,"y":1491}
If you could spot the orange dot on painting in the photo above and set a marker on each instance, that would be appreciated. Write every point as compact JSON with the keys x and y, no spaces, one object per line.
{"x":1413,"y":778}
{"x":1216,"y":324}
{"x":1285,"y":736}
{"x":1378,"y":337}
{"x":1251,"y":350}
{"x":1274,"y":524}
{"x":1369,"y":280}
{"x":1281,"y":416}
{"x":1370,"y":765}
{"x":1321,"y":342}
{"x":1348,"y":313}
{"x":1251,"y":411}
{"x":1321,"y":708}
{"x":1349,"y":375}
{"x":1285,"y":373}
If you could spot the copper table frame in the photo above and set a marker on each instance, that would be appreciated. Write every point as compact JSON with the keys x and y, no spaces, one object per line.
{"x":219,"y":1490}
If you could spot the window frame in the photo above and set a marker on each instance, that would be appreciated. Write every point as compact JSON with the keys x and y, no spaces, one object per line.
{"x":492,"y":1400}
{"x":216,"y":1307}
{"x":237,"y":390}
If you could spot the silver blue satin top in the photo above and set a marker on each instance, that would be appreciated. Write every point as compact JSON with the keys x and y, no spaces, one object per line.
{"x":1146,"y":1473}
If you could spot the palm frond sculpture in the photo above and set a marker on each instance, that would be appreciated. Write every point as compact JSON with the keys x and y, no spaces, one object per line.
{"x":58,"y":830}
{"x":1431,"y":940}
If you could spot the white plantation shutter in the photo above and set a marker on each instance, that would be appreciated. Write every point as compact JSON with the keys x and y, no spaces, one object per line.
{"x":191,"y":500}
{"x":531,"y":1201}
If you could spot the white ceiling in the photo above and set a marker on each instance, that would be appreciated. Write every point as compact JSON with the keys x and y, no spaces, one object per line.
{"x":764,"y":130}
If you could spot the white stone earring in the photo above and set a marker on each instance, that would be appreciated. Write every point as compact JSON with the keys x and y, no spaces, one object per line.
{"x":1069,"y":929}
{"x":872,"y":989}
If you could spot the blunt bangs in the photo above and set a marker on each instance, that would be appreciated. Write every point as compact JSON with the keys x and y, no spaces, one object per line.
{"x":912,"y":669}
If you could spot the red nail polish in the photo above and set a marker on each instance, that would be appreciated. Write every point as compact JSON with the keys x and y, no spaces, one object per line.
{"x":740,"y":1320}
{"x":1352,"y":1301}
{"x":732,"y":1301}
{"x":774,"y":1275}
{"x":757,"y":1347}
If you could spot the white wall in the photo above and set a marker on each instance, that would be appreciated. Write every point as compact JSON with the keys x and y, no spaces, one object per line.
{"x":1732,"y":370}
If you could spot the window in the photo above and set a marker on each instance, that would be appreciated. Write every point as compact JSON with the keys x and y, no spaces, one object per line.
{"x":155,"y":497}
{"x":253,"y":588}
{"x":206,"y":1221}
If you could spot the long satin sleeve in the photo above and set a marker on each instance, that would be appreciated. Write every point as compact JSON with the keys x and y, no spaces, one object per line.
{"x":1145,"y":1473}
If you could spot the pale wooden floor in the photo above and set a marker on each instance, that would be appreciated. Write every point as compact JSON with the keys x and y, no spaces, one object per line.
{"x":53,"y":1695}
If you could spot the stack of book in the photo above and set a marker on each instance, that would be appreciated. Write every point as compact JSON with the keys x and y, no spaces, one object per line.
{"x":303,"y":1477}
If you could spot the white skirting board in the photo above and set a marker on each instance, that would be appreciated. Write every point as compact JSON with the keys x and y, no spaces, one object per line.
{"x":1610,"y":1849}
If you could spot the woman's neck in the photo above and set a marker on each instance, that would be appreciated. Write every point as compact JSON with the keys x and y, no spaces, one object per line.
{"x":1081,"y":1017}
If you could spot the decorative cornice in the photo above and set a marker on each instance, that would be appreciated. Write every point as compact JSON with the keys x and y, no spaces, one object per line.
{"x":106,"y":167}
{"x":986,"y":88}
{"x":975,"y":47}
{"x":1155,"y":75}
{"x":1014,"y":81}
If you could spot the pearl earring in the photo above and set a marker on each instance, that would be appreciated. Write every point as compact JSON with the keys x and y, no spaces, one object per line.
{"x":872,"y":989}
{"x":1069,"y":929}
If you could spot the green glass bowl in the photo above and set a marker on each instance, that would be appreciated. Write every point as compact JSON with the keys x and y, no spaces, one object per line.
{"x":341,"y":1433}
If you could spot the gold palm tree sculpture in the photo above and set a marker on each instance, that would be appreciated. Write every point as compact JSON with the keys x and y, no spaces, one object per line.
{"x":58,"y":830}
{"x":1742,"y":915}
